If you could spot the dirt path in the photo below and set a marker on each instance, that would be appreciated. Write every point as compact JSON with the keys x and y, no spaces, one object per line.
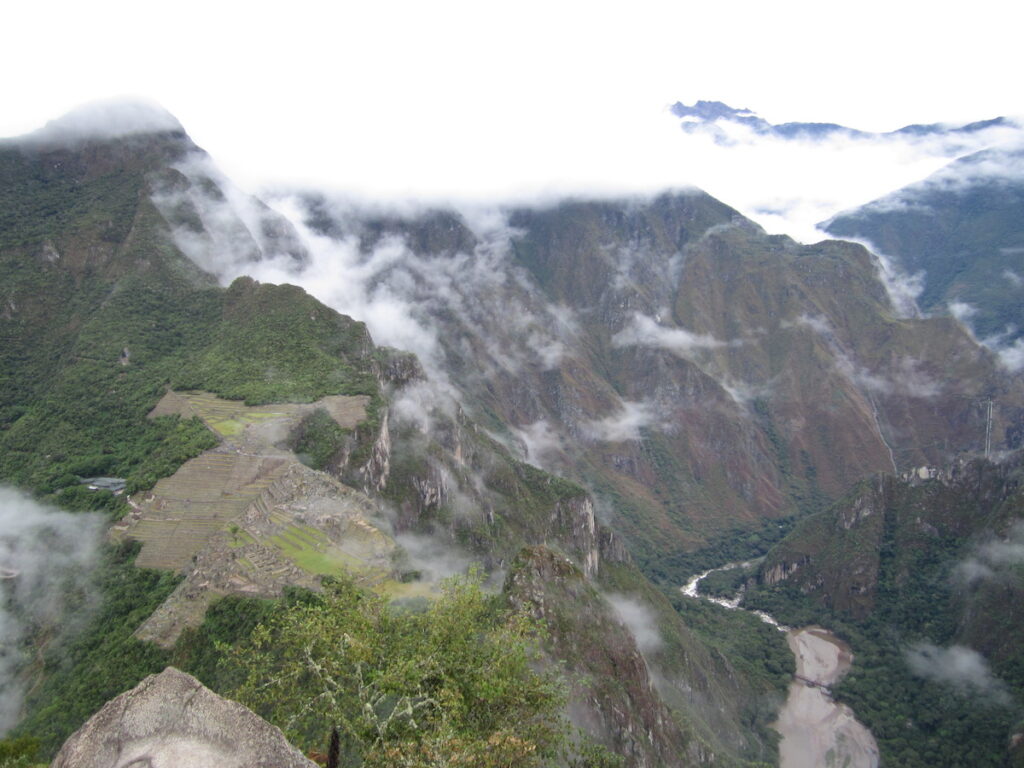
{"x":816,"y":731}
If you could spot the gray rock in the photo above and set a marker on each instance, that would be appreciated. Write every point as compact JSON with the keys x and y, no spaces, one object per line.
{"x":171,"y":720}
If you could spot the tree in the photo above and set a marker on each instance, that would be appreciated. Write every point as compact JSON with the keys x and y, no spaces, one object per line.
{"x":456,"y":684}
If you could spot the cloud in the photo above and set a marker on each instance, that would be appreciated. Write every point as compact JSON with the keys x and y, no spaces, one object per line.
{"x":218,"y":226}
{"x":743,"y":393}
{"x":1002,"y":164}
{"x":959,"y":667}
{"x":624,"y":425}
{"x":992,"y":558}
{"x":639,"y":620}
{"x":432,"y":557}
{"x":817,"y":323}
{"x":1014,"y":278}
{"x":962,"y":311}
{"x":1009,"y":351}
{"x":421,"y":402}
{"x":902,"y":288}
{"x":644,"y":331}
{"x":904,"y":378}
{"x":543,"y":443}
{"x":45,"y":556}
{"x":110,"y":119}
{"x":788,"y":185}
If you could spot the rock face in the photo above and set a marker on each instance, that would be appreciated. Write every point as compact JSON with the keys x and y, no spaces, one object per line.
{"x":697,"y":373}
{"x":171,"y":720}
{"x":613,"y":697}
{"x":890,"y":533}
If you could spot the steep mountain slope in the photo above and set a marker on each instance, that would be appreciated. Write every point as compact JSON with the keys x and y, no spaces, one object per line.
{"x":923,"y":575}
{"x":963,"y":230}
{"x":105,"y":314}
{"x":696,"y":373}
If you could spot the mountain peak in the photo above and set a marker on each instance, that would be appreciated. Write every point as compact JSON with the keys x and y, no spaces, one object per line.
{"x":107,"y":119}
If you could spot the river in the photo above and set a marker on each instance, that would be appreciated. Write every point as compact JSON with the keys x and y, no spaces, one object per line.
{"x":816,"y":731}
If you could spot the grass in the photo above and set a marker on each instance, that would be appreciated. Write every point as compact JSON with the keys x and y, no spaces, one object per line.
{"x":314,"y":560}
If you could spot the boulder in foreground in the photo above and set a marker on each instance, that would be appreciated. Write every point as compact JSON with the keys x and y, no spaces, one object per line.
{"x":171,"y":720}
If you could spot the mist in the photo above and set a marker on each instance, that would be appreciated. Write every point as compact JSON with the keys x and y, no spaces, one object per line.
{"x":994,"y":558}
{"x":1008,"y":350}
{"x":639,"y":620}
{"x":107,"y":119}
{"x":45,"y":558}
{"x":962,"y":669}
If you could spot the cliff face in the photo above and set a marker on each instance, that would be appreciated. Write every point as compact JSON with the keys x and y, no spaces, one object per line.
{"x":613,"y":697}
{"x":642,"y":682}
{"x":697,"y":373}
{"x":895,"y":533}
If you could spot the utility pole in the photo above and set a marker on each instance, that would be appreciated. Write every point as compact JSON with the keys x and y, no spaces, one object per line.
{"x":988,"y":431}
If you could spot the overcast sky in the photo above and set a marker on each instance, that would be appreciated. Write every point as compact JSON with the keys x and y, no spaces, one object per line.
{"x":476,"y":99}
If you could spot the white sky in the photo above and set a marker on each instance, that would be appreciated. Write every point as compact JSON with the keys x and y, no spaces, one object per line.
{"x":477,"y":99}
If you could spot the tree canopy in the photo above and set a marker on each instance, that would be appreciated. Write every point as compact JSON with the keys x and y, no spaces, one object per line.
{"x":454,"y":683}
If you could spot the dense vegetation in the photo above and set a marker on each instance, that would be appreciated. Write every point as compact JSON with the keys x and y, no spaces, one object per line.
{"x":104,"y":659}
{"x":453,"y":684}
{"x":99,"y":314}
{"x":733,"y":546}
{"x":755,"y":649}
{"x":919,"y":537}
{"x":317,"y":438}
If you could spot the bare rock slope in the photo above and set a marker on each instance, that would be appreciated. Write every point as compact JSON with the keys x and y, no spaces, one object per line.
{"x":171,"y":720}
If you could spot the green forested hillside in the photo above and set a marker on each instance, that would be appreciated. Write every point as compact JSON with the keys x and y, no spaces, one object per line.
{"x":101,"y":314}
{"x":919,"y":577}
{"x":962,"y":231}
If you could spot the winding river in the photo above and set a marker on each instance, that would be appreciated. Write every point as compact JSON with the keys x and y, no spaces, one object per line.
{"x":816,"y":731}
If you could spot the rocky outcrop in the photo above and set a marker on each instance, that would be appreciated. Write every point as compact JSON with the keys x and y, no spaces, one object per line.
{"x":397,"y":368}
{"x":781,"y":571}
{"x":171,"y":720}
{"x":374,"y":473}
{"x":613,"y":697}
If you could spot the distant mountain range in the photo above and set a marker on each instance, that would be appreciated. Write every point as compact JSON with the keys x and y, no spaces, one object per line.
{"x":962,"y":231}
{"x":703,"y":116}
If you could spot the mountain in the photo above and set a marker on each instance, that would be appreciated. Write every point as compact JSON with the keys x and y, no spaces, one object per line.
{"x":701,"y":376}
{"x":585,"y":394}
{"x":960,"y":230}
{"x":265,"y":441}
{"x":704,"y":115}
{"x":922,"y":574}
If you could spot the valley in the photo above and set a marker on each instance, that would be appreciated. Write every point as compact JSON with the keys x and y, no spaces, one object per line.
{"x":371,"y":446}
{"x":816,"y":731}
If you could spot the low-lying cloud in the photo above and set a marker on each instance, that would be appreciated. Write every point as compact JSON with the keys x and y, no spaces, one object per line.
{"x":623,"y":425}
{"x":1008,"y":350}
{"x":904,"y":378}
{"x":542,"y":442}
{"x":45,"y":557}
{"x":992,"y":558}
{"x":110,"y":119}
{"x":639,"y":620}
{"x":645,"y":331}
{"x":789,"y":184}
{"x":961,"y":668}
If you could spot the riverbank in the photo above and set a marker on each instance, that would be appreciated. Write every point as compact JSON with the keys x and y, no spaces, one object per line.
{"x":816,"y":731}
